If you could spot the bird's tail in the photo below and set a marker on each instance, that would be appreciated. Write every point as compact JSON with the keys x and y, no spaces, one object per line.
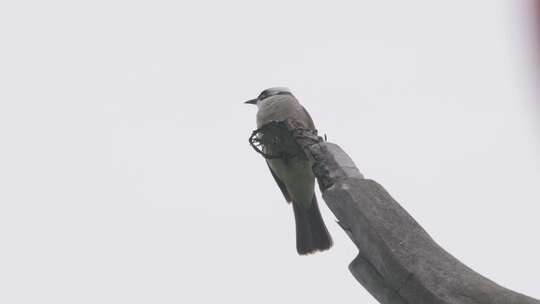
{"x":311,"y":233}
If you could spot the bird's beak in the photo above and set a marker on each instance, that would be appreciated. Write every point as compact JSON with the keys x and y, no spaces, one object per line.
{"x":252,"y":101}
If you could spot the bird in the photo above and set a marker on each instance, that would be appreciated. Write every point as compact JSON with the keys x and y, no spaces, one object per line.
{"x":294,"y":176}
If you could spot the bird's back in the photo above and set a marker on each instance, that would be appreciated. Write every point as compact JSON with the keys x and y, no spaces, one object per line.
{"x":281,"y":107}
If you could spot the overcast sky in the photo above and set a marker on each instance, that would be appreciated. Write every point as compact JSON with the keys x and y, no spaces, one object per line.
{"x":126,"y":174}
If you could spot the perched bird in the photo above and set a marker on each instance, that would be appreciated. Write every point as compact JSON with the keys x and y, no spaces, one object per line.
{"x":294,"y":177}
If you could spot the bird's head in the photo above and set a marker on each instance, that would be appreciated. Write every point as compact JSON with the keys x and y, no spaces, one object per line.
{"x":269,"y":93}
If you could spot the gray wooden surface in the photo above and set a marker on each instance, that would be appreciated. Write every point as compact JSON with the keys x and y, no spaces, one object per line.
{"x":398,"y":262}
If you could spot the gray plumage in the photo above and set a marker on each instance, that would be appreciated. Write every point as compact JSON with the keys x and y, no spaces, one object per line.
{"x":295,"y":177}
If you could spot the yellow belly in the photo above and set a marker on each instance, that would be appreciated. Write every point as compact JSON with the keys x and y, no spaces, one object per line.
{"x":298,"y":177}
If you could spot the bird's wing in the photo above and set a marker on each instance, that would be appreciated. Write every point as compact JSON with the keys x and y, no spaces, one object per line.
{"x":281,"y":185}
{"x":310,"y":120}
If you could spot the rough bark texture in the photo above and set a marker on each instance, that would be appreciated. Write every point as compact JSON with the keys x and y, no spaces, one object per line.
{"x":398,"y":261}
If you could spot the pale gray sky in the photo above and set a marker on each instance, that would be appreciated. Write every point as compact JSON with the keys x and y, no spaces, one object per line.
{"x":126,"y":175}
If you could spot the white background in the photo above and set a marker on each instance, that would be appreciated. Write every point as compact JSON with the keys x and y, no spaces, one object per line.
{"x":126,"y":175}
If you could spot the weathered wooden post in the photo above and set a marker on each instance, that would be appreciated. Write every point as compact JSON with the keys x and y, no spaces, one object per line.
{"x":398,"y":262}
